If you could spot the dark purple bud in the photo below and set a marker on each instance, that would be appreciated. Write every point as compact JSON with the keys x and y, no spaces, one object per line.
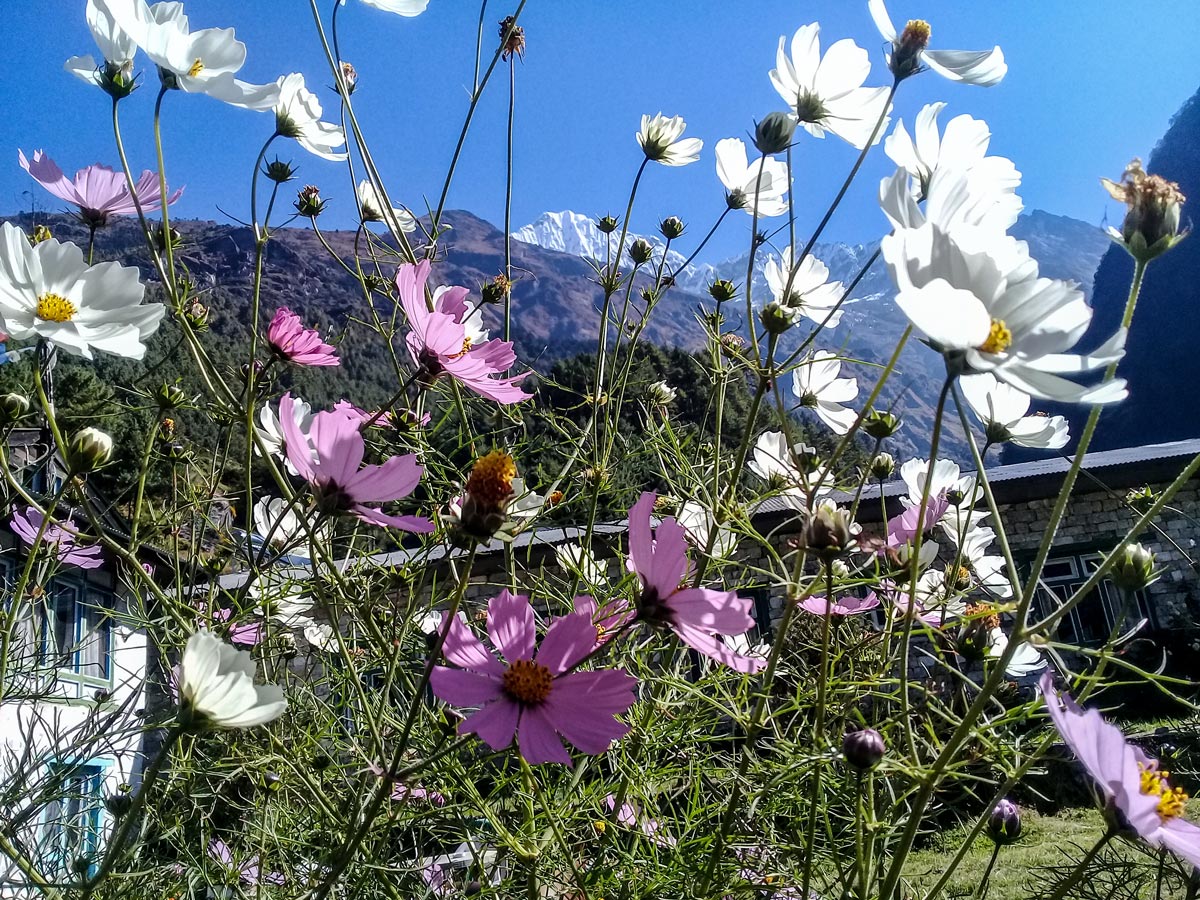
{"x":1004,"y":824}
{"x":864,"y":748}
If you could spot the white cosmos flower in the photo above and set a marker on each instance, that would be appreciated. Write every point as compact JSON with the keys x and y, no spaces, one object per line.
{"x":764,"y":181}
{"x":697,"y":522}
{"x":321,"y":636}
{"x":661,"y":139}
{"x":1002,"y":409}
{"x":298,"y":115}
{"x":400,"y":7}
{"x":274,"y":599}
{"x":910,"y":51}
{"x":575,"y":558}
{"x":116,"y":49}
{"x":826,"y":94}
{"x":774,"y":461}
{"x":48,"y":291}
{"x":989,"y":570}
{"x":1025,"y":661}
{"x":372,"y":208}
{"x":976,"y":295}
{"x":216,"y":686}
{"x":196,"y":62}
{"x":271,"y":432}
{"x":816,"y":384}
{"x":811,"y":290}
{"x":962,"y":147}
{"x":276,"y":521}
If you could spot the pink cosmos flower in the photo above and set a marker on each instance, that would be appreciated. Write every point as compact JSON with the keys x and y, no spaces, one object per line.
{"x":98,"y":191}
{"x":332,"y":470}
{"x":440,"y":344}
{"x":303,"y":346}
{"x":696,"y":615}
{"x":244,"y":635}
{"x":902,"y":529}
{"x":249,"y":872}
{"x":533,"y":695}
{"x":61,"y":537}
{"x":608,"y":619}
{"x":1136,"y":791}
{"x":629,"y":816}
{"x":412,"y":792}
{"x":846,"y":606}
{"x":901,"y":598}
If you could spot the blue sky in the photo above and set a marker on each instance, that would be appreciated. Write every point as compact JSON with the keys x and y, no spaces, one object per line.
{"x":1091,"y":83}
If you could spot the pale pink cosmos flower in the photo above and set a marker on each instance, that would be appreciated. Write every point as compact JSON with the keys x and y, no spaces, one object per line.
{"x":61,"y":538}
{"x":845,"y":606}
{"x":533,"y":695}
{"x":1135,"y":789}
{"x":332,"y":468}
{"x":98,"y":191}
{"x":441,"y":345}
{"x":293,"y":342}
{"x":696,"y":615}
{"x":629,"y":816}
{"x":248,"y":872}
{"x":247,"y":634}
{"x":902,"y":529}
{"x":410,"y":792}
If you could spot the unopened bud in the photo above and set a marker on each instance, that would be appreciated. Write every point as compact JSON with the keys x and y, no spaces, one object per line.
{"x":512,"y":38}
{"x":660,"y":393}
{"x":671,"y":227}
{"x":1004,"y":824}
{"x":308,"y":201}
{"x":278,"y":170}
{"x":777,"y":319}
{"x":1133,"y":569}
{"x":882,"y":466}
{"x":880,"y":425}
{"x":164,"y":237}
{"x":864,"y":748}
{"x":1141,"y":498}
{"x":197,"y":315}
{"x":828,"y":532}
{"x":774,"y":133}
{"x":349,"y":76}
{"x":39,"y":235}
{"x":119,"y":802}
{"x":722,"y":290}
{"x":88,"y":450}
{"x":640,"y":251}
{"x":606,"y":224}
{"x":13,"y":407}
{"x":170,"y":396}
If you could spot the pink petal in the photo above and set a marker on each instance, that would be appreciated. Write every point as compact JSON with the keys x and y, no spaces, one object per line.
{"x":372,"y":516}
{"x":464,"y":649}
{"x":510,"y":625}
{"x":568,"y":640}
{"x":339,"y":446}
{"x":722,"y":612}
{"x":583,"y":705}
{"x":495,"y":724}
{"x":711,"y":647}
{"x":1181,"y":838}
{"x":641,"y":542}
{"x":397,"y":477}
{"x":537,"y":739}
{"x":461,"y":687}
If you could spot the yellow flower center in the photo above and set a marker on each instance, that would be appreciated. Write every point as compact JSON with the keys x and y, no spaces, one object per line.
{"x":40,"y":234}
{"x":55,"y":308}
{"x":197,"y":67}
{"x":466,"y":348}
{"x":490,"y":482}
{"x":1171,"y":800}
{"x":999,"y":338}
{"x":916,"y":34}
{"x":528,"y":682}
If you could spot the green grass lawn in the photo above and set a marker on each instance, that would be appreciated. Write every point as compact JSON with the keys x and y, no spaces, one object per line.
{"x":1045,"y":841}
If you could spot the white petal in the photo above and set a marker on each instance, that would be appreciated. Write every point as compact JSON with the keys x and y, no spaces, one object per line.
{"x":953,"y":318}
{"x":982,"y":67}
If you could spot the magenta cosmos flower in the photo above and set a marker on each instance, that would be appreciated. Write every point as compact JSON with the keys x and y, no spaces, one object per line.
{"x":441,"y":340}
{"x":248,"y":872}
{"x":303,"y":346}
{"x":846,"y":606}
{"x":696,"y":615}
{"x":98,"y":191}
{"x":533,"y":695}
{"x":62,"y":538}
{"x":329,"y":458}
{"x":1136,"y":791}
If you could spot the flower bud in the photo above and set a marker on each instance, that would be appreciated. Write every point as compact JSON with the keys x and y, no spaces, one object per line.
{"x":555,"y":498}
{"x":197,"y":315}
{"x":955,"y":497}
{"x":864,"y":748}
{"x":671,"y":227}
{"x":660,"y":393}
{"x":607,"y":224}
{"x":774,"y":133}
{"x":496,"y":290}
{"x":882,"y":466}
{"x":1151,"y":225}
{"x":309,"y":203}
{"x":880,"y":425}
{"x":1134,"y":568}
{"x":512,"y":38}
{"x":806,"y":457}
{"x":1141,"y":498}
{"x":170,"y":396}
{"x":119,"y":802}
{"x":270,"y":782}
{"x":722,"y":290}
{"x":777,"y":319}
{"x":350,"y":76}
{"x":828,"y":531}
{"x":732,"y":344}
{"x":162,"y":238}
{"x":907,"y":49}
{"x":1004,"y":824}
{"x":13,"y":407}
{"x":117,"y":80}
{"x":278,"y":170}
{"x":640,"y":251}
{"x":88,"y":450}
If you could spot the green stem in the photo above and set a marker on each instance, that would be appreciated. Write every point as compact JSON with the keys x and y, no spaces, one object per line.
{"x":508,"y":194}
{"x":981,"y":891}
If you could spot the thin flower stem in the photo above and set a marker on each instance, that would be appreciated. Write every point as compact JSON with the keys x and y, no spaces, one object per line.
{"x":700,"y":246}
{"x":558,"y":836}
{"x":754,"y":244}
{"x":1078,"y":872}
{"x":508,"y":195}
{"x":168,"y":247}
{"x":818,"y":733}
{"x":479,"y":45}
{"x":981,"y":891}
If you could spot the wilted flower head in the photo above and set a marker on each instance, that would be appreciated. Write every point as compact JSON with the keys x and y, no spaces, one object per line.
{"x":372,"y":208}
{"x":61,"y":538}
{"x":291,"y":341}
{"x":495,"y":501}
{"x":97,"y":191}
{"x":512,"y":38}
{"x":661,"y":139}
{"x":216,"y":687}
{"x":1151,"y":225}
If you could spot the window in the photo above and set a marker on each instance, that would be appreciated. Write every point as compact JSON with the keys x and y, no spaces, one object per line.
{"x":77,"y":630}
{"x":71,"y":830}
{"x":1092,"y":621}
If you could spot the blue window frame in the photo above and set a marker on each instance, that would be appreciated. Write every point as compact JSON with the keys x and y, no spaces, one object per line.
{"x":71,"y":826}
{"x":1092,"y":621}
{"x":77,"y":630}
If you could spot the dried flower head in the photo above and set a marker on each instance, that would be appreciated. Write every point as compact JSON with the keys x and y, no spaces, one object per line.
{"x":512,"y":38}
{"x":1151,"y":225}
